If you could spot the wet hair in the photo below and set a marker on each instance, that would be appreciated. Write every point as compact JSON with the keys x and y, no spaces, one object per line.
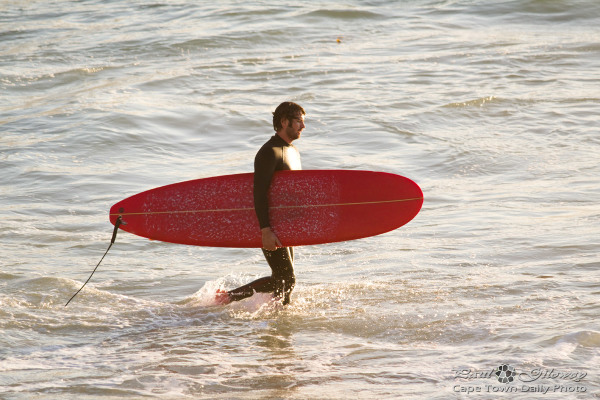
{"x":288,"y":110}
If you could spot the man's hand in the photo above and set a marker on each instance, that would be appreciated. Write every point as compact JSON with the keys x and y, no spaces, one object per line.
{"x":269,"y":239}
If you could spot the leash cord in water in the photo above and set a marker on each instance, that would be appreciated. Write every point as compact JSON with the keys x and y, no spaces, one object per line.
{"x":114,"y":236}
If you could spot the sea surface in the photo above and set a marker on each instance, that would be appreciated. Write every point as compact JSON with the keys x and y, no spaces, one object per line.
{"x":492,"y":107}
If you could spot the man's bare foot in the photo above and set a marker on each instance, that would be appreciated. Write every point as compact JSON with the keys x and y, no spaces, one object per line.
{"x":222,"y":297}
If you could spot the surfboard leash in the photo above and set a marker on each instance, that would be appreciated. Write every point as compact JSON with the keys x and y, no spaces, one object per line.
{"x":112,"y":241}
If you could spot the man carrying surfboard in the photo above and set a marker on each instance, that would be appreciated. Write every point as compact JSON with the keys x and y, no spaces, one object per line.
{"x":277,"y":154}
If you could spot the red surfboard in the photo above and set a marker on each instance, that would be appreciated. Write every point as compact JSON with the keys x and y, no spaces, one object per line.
{"x":305,"y":207}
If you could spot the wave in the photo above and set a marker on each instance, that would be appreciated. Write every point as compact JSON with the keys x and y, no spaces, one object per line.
{"x":585,"y":338}
{"x":344,"y":14}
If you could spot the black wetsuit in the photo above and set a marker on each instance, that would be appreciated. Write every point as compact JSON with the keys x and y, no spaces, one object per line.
{"x":275,"y":155}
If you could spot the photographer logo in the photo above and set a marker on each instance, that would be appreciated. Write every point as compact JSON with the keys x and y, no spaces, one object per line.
{"x":507,"y":379}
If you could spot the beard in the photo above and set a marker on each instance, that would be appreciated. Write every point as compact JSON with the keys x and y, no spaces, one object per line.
{"x":292,"y":133}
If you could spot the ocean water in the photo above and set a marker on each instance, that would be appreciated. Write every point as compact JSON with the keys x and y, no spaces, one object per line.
{"x":490,"y":106}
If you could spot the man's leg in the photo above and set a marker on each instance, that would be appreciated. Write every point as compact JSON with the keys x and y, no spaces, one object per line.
{"x":280,"y":283}
{"x":262,"y":285}
{"x":281,"y":262}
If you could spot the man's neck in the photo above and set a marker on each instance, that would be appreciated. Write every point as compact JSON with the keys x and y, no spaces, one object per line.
{"x":282,"y":135}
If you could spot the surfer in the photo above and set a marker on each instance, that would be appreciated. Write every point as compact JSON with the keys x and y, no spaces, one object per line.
{"x":277,"y":154}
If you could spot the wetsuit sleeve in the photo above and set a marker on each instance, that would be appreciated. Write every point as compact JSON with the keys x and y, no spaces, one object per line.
{"x":264,"y":168}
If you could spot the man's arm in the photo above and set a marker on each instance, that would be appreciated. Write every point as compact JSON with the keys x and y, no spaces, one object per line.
{"x":264,"y":168}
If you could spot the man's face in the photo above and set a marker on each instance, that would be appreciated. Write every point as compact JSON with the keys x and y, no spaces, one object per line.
{"x":293,"y":128}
